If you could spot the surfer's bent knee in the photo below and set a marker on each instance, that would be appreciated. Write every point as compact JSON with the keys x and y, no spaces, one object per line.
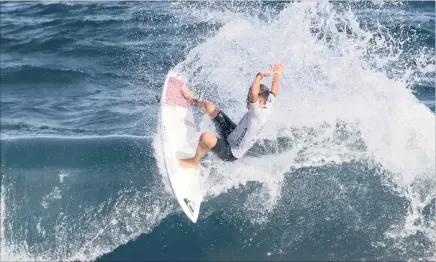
{"x":208,"y":139}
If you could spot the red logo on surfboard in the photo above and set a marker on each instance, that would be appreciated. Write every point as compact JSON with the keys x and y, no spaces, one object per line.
{"x":174,"y":95}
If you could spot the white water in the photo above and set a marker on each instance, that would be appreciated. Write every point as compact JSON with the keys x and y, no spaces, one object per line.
{"x":324,"y":83}
{"x":321,"y":86}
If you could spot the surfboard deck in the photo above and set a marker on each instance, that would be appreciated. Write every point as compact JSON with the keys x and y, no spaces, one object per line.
{"x":179,"y":141}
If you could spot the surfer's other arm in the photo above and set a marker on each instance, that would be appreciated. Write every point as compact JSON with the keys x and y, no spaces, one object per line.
{"x":277,"y":69}
{"x":255,"y":88}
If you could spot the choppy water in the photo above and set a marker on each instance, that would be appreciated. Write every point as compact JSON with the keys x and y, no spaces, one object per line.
{"x":345,"y":171}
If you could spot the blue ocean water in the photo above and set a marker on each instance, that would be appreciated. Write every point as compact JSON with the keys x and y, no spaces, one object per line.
{"x":344,"y":171}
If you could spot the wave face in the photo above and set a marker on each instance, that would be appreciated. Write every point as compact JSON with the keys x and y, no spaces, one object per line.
{"x":344,"y":171}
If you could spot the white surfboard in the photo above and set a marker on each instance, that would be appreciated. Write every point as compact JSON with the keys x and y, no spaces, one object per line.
{"x":179,"y":141}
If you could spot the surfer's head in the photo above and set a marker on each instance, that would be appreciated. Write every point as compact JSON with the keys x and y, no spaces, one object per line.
{"x":263,"y":95}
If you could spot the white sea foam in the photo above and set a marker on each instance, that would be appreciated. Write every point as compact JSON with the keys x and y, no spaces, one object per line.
{"x":331,"y":77}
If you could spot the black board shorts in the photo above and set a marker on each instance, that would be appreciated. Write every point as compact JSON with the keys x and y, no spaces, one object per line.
{"x":224,"y":127}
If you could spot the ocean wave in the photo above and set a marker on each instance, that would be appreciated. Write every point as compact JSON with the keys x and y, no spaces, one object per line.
{"x":23,"y":127}
{"x":343,"y":171}
{"x":64,"y":167}
{"x":34,"y":74}
{"x":36,"y":45}
{"x":34,"y":152}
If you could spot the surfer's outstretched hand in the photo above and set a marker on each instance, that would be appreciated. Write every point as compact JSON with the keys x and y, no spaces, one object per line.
{"x":278,"y":67}
{"x":267,"y":72}
{"x":273,"y":68}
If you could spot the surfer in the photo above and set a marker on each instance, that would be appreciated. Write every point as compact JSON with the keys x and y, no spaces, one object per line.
{"x":236,"y":140}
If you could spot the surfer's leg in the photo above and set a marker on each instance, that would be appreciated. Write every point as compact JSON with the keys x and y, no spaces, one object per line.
{"x":205,"y":105}
{"x":209,"y":108}
{"x":223,"y":125}
{"x":206,"y":143}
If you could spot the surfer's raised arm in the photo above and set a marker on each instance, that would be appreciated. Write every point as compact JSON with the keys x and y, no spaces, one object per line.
{"x":277,"y":69}
{"x":255,"y":88}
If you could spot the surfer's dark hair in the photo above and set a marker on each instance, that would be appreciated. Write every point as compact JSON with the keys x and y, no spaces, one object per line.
{"x":264,"y":92}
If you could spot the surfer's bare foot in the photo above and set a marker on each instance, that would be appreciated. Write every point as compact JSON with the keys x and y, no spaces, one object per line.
{"x":187,"y":94}
{"x":187,"y":163}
